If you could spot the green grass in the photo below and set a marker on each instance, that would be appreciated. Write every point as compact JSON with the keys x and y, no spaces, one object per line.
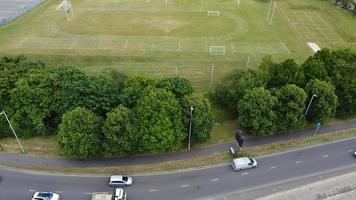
{"x":158,"y":40}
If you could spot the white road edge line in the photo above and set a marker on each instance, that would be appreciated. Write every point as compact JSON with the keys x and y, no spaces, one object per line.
{"x":298,"y":162}
{"x":153,"y":190}
{"x":215,"y":179}
{"x":325,"y":156}
{"x":244,"y":173}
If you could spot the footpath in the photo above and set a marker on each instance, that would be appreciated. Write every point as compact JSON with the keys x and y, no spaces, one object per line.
{"x":28,"y":160}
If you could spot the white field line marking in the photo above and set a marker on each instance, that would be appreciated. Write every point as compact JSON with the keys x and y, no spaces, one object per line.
{"x":350,"y":150}
{"x":31,"y":190}
{"x":244,"y":173}
{"x":330,"y":28}
{"x":126,"y":43}
{"x":71,"y":46}
{"x":315,"y":25}
{"x":215,"y":179}
{"x":233,"y":48}
{"x":298,"y":162}
{"x":153,"y":190}
{"x":179,"y":45}
{"x":290,"y":22}
{"x":99,"y":44}
{"x":152,"y":45}
{"x":184,"y":186}
{"x":325,"y":156}
{"x":273,"y":167}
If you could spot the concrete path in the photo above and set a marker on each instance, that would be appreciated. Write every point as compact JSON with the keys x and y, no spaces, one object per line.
{"x":29,"y":160}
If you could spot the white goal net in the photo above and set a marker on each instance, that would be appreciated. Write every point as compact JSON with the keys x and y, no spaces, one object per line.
{"x":217,"y":50}
{"x":65,"y":6}
{"x":214,"y":13}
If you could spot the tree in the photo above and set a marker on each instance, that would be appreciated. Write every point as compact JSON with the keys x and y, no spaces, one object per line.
{"x":177,"y":85}
{"x":290,"y":107}
{"x":287,"y":72}
{"x":119,"y":136}
{"x":11,"y":70}
{"x":203,"y":118}
{"x":256,"y":112}
{"x":324,"y":105}
{"x":80,"y":134}
{"x":158,"y":118}
{"x":34,"y":101}
{"x":235,"y":85}
{"x":313,"y":68}
{"x":133,"y":90}
{"x":97,"y":93}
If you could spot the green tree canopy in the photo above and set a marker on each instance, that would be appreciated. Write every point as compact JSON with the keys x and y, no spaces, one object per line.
{"x":134,"y":89}
{"x":202,"y":121}
{"x":290,"y":107}
{"x":313,"y":68}
{"x":177,"y":85}
{"x":158,"y":118}
{"x":324,"y":105}
{"x":119,"y":135}
{"x":97,"y":93}
{"x":256,"y":112}
{"x":287,"y":72}
{"x":80,"y":134}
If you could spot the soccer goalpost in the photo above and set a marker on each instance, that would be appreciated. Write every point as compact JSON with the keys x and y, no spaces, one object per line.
{"x":217,"y":50}
{"x":214,"y":13}
{"x":65,"y":6}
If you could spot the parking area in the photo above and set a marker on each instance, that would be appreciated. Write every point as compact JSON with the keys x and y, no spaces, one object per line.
{"x":11,"y":9}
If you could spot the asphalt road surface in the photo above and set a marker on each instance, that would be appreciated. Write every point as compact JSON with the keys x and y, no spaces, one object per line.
{"x":196,"y":184}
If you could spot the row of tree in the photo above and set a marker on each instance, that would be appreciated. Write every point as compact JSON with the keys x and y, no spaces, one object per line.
{"x":274,"y":97}
{"x":108,"y":114}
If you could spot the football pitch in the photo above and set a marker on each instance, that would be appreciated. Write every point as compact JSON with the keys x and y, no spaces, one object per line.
{"x":201,"y":40}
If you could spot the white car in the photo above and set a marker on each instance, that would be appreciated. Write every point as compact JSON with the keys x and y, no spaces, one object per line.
{"x":46,"y":196}
{"x":355,"y":154}
{"x":243,"y":163}
{"x":120,"y":180}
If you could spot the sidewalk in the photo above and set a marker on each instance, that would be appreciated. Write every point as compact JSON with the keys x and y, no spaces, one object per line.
{"x":29,"y":160}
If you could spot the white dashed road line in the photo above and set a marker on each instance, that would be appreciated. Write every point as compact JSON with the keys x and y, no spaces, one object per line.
{"x":298,"y":162}
{"x":351,"y":150}
{"x":89,"y":193}
{"x":273,"y":167}
{"x":184,"y":186}
{"x":31,"y":190}
{"x":153,"y":190}
{"x":215,"y":179}
{"x":244,"y":173}
{"x":325,"y":156}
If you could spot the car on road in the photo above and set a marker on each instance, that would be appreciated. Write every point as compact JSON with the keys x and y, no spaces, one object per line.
{"x":46,"y":196}
{"x":120,"y":180}
{"x":355,"y":154}
{"x":243,"y":163}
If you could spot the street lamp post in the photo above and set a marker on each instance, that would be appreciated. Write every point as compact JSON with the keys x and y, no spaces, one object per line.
{"x":190,"y":126}
{"x":13,"y":131}
{"x":311,"y":100}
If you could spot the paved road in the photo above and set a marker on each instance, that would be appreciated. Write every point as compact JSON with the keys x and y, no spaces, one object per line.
{"x":148,"y":159}
{"x":197,"y":184}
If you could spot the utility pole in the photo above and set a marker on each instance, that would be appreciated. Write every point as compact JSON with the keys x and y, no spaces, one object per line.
{"x":13,"y":131}
{"x":212,"y":76}
{"x":190,"y":126}
{"x":311,"y":100}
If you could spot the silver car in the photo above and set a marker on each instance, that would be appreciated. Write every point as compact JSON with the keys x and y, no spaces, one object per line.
{"x":243,"y":163}
{"x":120,"y":180}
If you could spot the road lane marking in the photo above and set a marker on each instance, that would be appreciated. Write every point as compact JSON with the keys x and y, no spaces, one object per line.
{"x":351,"y":150}
{"x":184,"y":186}
{"x":298,"y":162}
{"x":31,"y":190}
{"x":325,"y":156}
{"x":244,"y":173}
{"x":153,"y":190}
{"x":273,"y":167}
{"x":60,"y":192}
{"x":215,"y":179}
{"x":90,"y":193}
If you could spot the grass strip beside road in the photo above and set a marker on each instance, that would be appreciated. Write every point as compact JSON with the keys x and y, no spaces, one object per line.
{"x":213,"y":159}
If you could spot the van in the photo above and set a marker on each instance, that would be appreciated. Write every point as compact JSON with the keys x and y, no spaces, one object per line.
{"x":243,"y":163}
{"x":120,"y":194}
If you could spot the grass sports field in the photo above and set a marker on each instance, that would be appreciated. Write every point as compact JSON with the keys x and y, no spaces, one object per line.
{"x":174,"y":37}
